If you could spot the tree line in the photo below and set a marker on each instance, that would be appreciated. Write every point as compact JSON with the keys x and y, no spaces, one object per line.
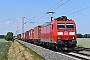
{"x":79,"y":35}
{"x":2,"y":36}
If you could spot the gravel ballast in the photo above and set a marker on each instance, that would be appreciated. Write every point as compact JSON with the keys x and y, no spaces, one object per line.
{"x":48,"y":54}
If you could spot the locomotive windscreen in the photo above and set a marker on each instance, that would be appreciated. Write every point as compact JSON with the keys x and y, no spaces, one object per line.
{"x":60,"y":26}
{"x":70,"y":26}
{"x":65,"y":26}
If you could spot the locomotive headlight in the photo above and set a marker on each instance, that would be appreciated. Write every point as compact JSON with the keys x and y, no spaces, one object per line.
{"x":60,"y":33}
{"x":71,"y":33}
{"x":73,"y":37}
{"x":59,"y":37}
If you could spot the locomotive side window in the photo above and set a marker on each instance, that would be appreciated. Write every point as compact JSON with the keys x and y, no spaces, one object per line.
{"x":70,"y":26}
{"x":60,"y":26}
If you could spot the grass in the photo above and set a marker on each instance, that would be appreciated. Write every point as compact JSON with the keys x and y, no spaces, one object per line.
{"x":4,"y":55}
{"x":2,"y":47}
{"x":83,"y":42}
{"x":36,"y":56}
{"x":3,"y":40}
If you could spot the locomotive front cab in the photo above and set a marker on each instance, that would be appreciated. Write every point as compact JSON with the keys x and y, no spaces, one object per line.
{"x":66,"y":33}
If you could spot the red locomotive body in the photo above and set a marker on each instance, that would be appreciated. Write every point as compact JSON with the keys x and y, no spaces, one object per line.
{"x":60,"y":32}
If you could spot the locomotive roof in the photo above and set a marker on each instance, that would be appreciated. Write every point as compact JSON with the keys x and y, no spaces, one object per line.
{"x":58,"y":21}
{"x":62,"y":19}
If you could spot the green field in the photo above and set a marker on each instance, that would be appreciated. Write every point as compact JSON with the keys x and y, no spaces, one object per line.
{"x":2,"y":47}
{"x":83,"y":42}
{"x":3,"y":40}
{"x":3,"y":44}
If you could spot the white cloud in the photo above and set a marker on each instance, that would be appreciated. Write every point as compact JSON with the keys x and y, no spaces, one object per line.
{"x":19,"y":19}
{"x":7,"y":22}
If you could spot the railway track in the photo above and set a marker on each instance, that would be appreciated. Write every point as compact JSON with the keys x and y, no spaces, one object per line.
{"x":80,"y":53}
{"x":77,"y":54}
{"x":82,"y":49}
{"x":80,"y":56}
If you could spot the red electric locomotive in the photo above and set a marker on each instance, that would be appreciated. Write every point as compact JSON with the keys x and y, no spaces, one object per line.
{"x":61,"y":33}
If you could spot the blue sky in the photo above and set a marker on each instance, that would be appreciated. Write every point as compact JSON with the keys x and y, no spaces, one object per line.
{"x":12,"y":11}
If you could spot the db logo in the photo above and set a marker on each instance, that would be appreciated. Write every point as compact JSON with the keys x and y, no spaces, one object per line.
{"x":65,"y":33}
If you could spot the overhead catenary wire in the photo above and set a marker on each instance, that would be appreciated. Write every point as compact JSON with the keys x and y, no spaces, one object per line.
{"x":79,"y":10}
{"x":55,"y":4}
{"x":61,"y":5}
{"x":26,"y":23}
{"x":40,"y":18}
{"x":48,"y":9}
{"x":72,"y":9}
{"x":29,"y":20}
{"x":54,"y":9}
{"x":77,"y":7}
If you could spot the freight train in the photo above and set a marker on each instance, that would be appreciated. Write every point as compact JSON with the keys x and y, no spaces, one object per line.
{"x":60,"y":33}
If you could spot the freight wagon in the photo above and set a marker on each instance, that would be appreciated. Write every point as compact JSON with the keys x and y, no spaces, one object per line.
{"x":30,"y":35}
{"x":37,"y":34}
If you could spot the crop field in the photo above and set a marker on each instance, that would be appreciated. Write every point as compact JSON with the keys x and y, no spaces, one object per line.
{"x":3,"y":44}
{"x":3,"y":40}
{"x":83,"y":42}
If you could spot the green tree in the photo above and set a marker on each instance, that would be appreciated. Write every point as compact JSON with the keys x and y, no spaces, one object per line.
{"x":9,"y":36}
{"x":86,"y":36}
{"x":79,"y":35}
